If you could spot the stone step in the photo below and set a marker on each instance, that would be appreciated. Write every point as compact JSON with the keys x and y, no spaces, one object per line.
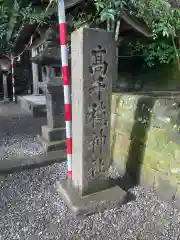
{"x":52,"y":146}
{"x":51,"y":135}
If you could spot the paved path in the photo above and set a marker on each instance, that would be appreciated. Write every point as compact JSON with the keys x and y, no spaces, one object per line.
{"x":18,"y":132}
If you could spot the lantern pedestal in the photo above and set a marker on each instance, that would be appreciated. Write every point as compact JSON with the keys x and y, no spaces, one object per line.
{"x":53,"y":134}
{"x":5,"y":90}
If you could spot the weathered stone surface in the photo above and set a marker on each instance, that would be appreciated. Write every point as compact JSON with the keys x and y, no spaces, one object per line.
{"x":92,"y":77}
{"x":93,"y":203}
{"x":52,"y":146}
{"x":5,"y":90}
{"x":54,"y":103}
{"x":53,"y":90}
{"x":18,"y":163}
{"x":159,"y":146}
{"x":177,"y":201}
{"x":53,"y":134}
{"x":177,"y":197}
{"x":35,"y":105}
{"x":122,"y":143}
{"x":164,"y":187}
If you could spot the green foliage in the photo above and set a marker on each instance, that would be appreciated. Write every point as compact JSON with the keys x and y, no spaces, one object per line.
{"x":14,"y":15}
{"x":110,"y":11}
{"x":165,"y":24}
{"x":159,"y":16}
{"x":99,"y":12}
{"x":156,"y":51}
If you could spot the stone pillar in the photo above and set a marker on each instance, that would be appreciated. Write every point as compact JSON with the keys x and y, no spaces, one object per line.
{"x":93,"y":54}
{"x":5,"y":89}
{"x":35,"y":74}
{"x":91,"y":107}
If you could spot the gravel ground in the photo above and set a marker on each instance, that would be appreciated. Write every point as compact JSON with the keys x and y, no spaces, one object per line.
{"x":18,"y":132}
{"x":30,"y":209}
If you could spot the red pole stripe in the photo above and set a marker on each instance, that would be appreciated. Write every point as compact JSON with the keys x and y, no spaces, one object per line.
{"x":69,"y":145}
{"x":12,"y":75}
{"x":12,"y":65}
{"x":65,"y":75}
{"x":62,"y":31}
{"x":67,"y":112}
{"x":69,"y":174}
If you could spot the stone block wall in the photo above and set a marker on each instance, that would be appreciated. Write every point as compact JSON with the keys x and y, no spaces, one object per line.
{"x":145,"y":141}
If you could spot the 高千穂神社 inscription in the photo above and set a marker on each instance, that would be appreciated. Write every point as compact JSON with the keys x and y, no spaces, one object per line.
{"x":97,"y":110}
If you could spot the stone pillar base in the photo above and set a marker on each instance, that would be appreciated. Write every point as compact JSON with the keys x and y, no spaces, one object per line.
{"x":52,"y":139}
{"x":92,"y":203}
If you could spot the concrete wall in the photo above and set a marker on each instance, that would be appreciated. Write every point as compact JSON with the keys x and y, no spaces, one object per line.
{"x":145,"y":141}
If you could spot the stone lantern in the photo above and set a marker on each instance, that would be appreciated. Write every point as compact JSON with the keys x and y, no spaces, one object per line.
{"x":48,"y":57}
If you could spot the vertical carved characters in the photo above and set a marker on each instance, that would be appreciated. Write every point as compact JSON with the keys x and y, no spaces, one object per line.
{"x":96,"y":115}
{"x":98,"y":141}
{"x":98,"y":62}
{"x":97,"y":166}
{"x":98,"y":69}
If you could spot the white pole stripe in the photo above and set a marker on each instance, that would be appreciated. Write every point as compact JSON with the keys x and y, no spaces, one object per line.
{"x":61,"y":12}
{"x":68,"y":129}
{"x":67,"y":99}
{"x":64,"y":55}
{"x":12,"y":74}
{"x":69,"y":161}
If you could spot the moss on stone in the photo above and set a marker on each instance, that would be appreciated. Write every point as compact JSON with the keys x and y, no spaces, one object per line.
{"x":137,"y":143}
{"x":122,"y":143}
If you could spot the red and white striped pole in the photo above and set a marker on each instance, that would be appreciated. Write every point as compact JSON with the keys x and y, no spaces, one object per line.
{"x":12,"y":76}
{"x":66,"y":83}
